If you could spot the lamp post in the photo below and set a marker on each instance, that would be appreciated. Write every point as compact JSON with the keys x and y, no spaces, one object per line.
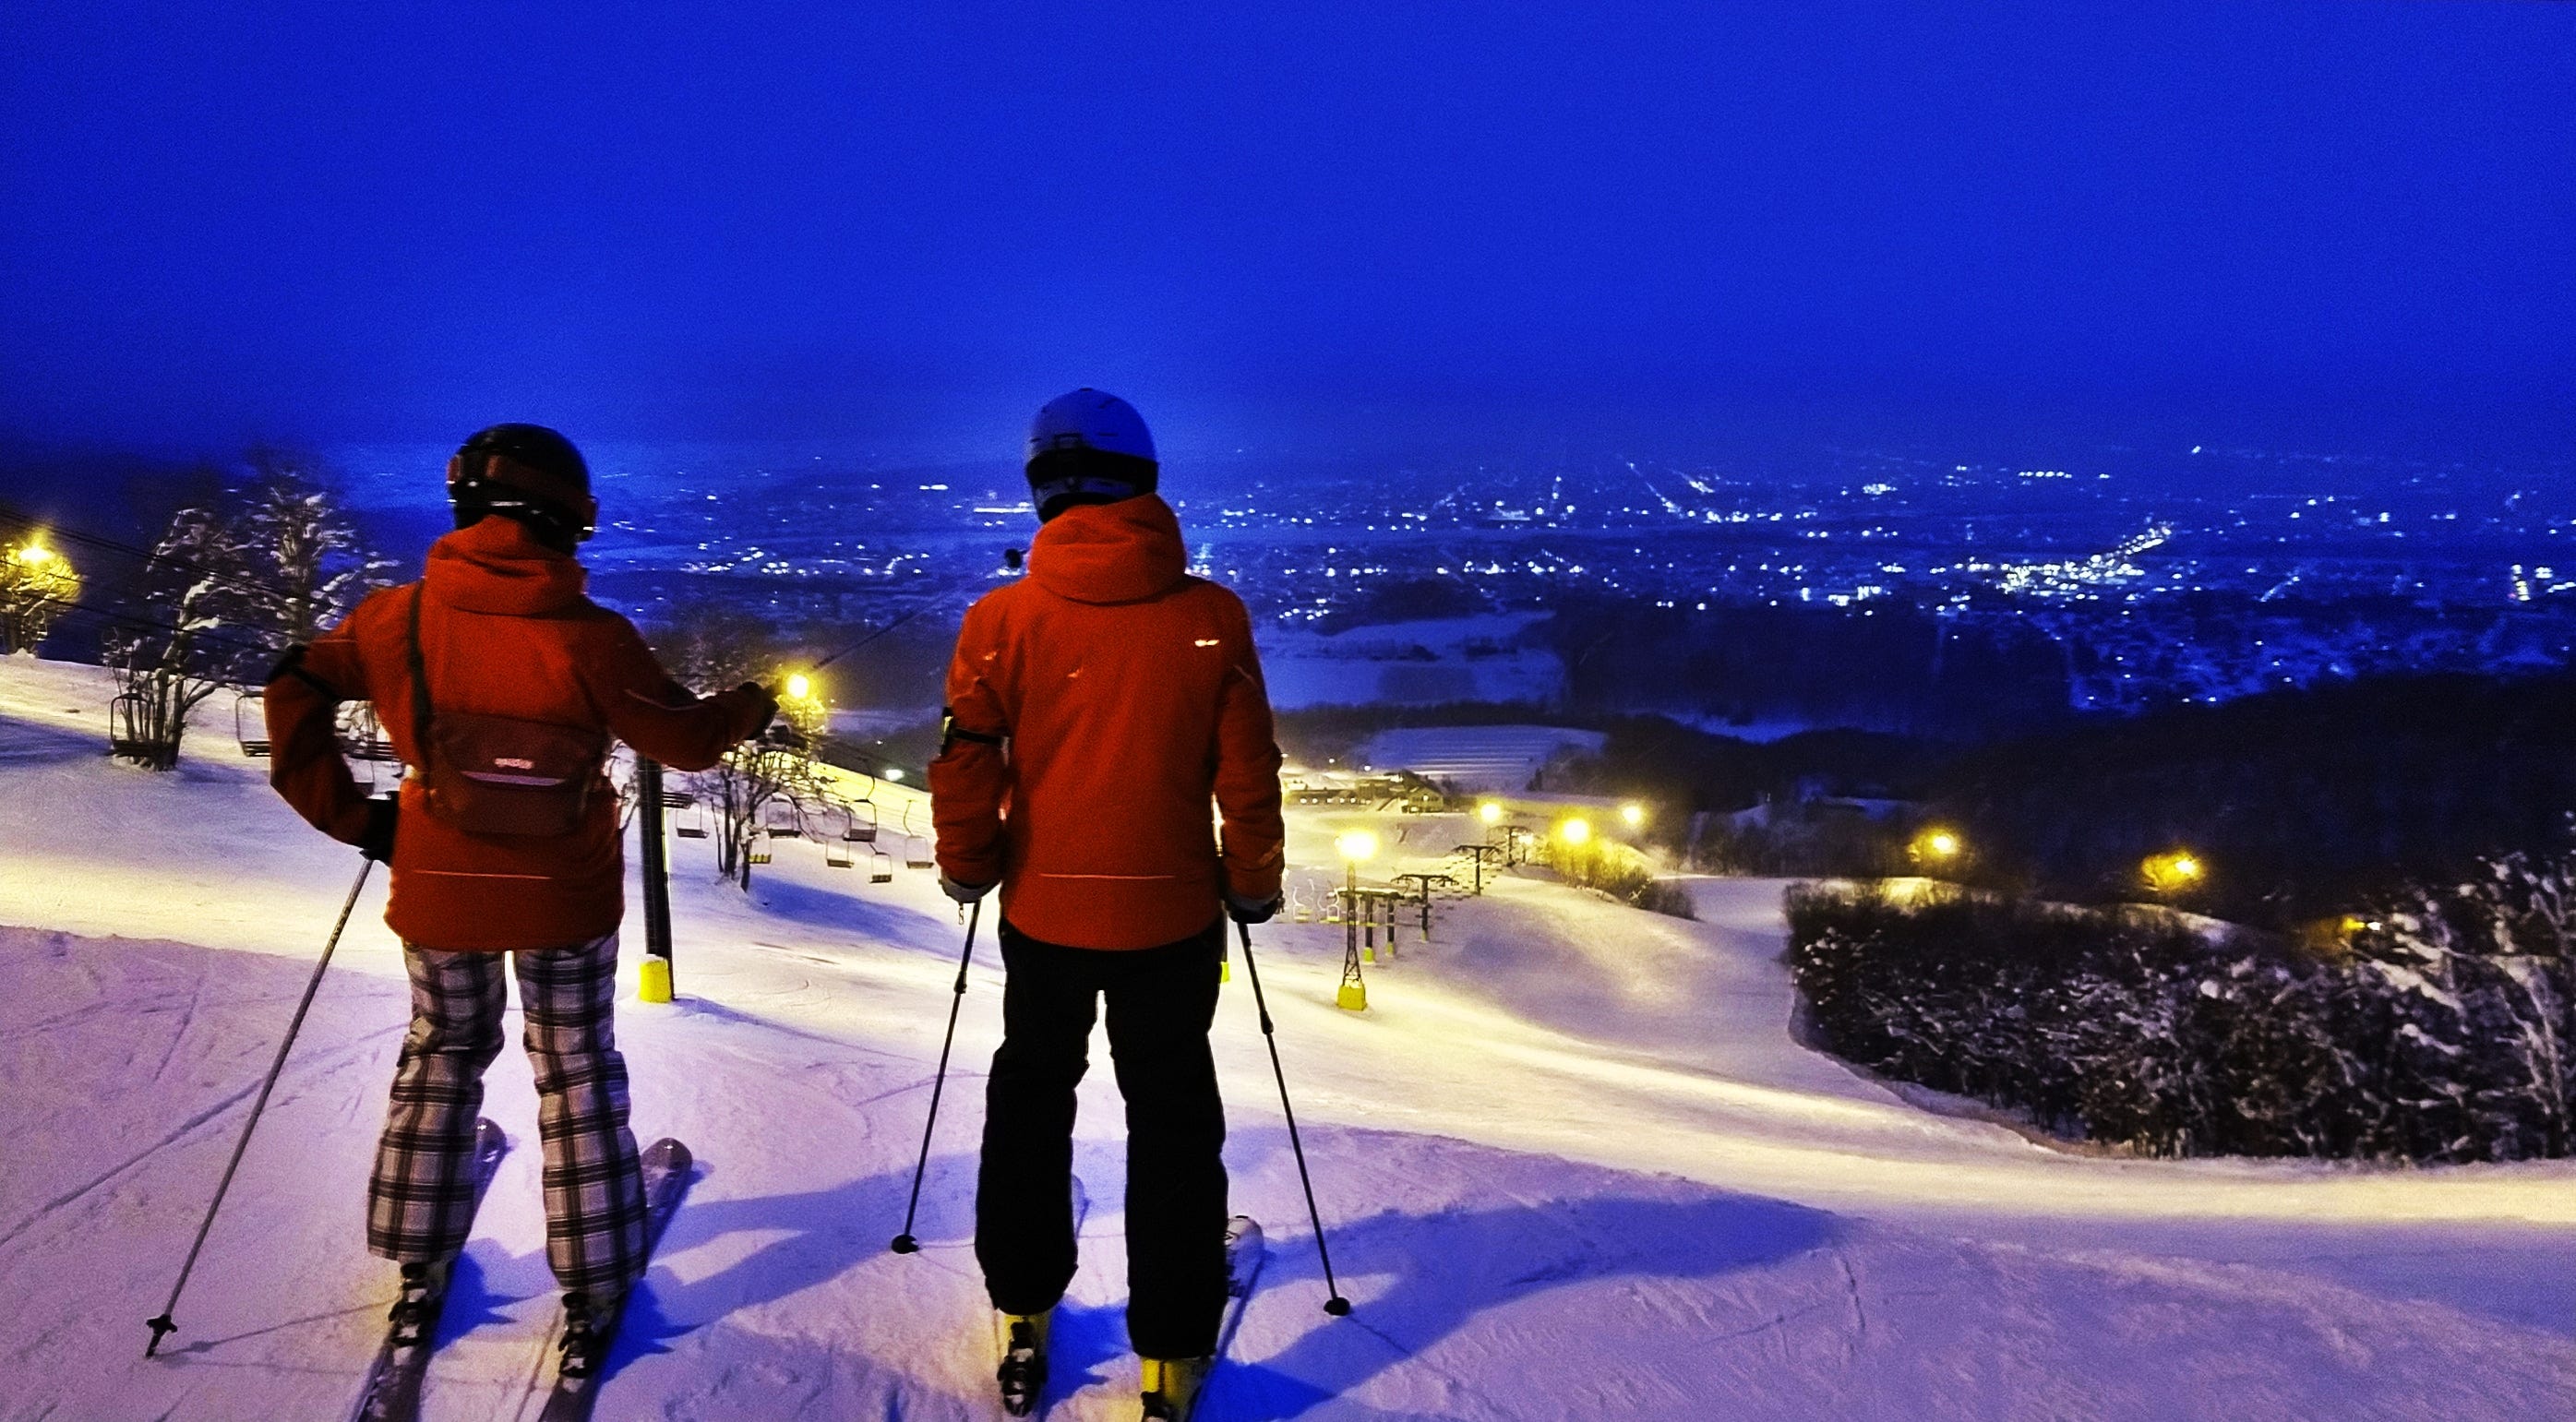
{"x":655,"y":983}
{"x":1354,"y":846}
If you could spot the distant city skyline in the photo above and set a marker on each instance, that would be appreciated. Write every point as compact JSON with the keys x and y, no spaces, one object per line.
{"x":2337,"y":226}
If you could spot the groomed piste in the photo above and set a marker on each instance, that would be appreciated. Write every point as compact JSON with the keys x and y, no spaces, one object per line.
{"x":1574,"y":1161}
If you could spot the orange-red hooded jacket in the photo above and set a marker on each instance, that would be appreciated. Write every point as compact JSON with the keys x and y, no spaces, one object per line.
{"x":505,"y":631}
{"x":1098,"y":708}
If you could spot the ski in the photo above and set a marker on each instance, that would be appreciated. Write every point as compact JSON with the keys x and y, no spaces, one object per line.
{"x":668,"y":1167}
{"x":391,"y":1390}
{"x":1022,"y":1372}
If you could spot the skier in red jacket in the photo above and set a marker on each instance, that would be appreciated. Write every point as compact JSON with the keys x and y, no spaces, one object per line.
{"x":500,"y":685}
{"x":1096,"y":709}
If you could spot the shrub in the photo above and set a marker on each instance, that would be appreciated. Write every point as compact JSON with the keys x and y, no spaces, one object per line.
{"x":2432,"y":1033}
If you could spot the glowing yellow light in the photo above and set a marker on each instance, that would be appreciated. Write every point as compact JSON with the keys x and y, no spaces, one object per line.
{"x":1356,"y":845}
{"x":1576,"y":831}
{"x":1635,"y":815}
{"x":1944,"y":844}
{"x":35,"y":553}
{"x":1490,"y":813}
{"x":894,"y":773}
{"x":800,"y":686}
{"x":2169,"y":873}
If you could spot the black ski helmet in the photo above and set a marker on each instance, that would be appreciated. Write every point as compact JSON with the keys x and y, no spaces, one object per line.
{"x":528,"y":473}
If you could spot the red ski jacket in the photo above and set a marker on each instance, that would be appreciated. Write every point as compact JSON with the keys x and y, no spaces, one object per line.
{"x":505,"y":631}
{"x":1096,"y":710}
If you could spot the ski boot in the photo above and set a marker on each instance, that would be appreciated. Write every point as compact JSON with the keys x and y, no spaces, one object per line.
{"x":587,"y":1322}
{"x":1023,"y":1373}
{"x":415,"y":1311}
{"x":1172,"y":1387}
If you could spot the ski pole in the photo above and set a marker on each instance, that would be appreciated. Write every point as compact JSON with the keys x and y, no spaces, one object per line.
{"x":162,"y":1325}
{"x":1334,"y":1303}
{"x":904,"y":1243}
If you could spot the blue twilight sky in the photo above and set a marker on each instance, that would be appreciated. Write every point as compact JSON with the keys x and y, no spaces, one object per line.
{"x":1384,"y":224}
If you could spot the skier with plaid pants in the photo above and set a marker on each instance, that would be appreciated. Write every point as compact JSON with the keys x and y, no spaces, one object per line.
{"x":500,"y":686}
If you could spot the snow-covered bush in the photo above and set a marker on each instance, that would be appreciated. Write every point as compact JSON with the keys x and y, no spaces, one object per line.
{"x":2430,"y":1029}
{"x":1621,"y":873}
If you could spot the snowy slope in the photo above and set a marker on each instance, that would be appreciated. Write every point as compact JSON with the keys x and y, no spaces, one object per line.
{"x":1574,"y":1162}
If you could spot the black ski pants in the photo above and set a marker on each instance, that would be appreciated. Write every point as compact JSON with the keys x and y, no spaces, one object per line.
{"x":1161,"y":1003}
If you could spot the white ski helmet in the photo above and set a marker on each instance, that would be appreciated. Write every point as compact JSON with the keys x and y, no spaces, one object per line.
{"x":1088,"y":447}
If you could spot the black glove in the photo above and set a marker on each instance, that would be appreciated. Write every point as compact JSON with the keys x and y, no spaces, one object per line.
{"x":769,"y":699}
{"x":1251,"y":910}
{"x":377,"y":840}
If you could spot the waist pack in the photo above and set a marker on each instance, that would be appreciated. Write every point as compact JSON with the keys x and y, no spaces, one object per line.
{"x":499,"y":775}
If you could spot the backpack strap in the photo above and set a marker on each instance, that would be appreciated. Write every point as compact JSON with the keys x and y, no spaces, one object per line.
{"x":420,"y":709}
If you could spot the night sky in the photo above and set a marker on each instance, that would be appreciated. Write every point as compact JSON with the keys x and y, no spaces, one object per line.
{"x":1380,"y":224}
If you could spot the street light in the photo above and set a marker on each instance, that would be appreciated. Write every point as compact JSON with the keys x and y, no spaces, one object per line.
{"x":1635,"y":815}
{"x":1575,"y":831}
{"x":2175,"y":872}
{"x":1356,"y":845}
{"x":800,"y":686}
{"x":1490,"y":812}
{"x":36,"y":554}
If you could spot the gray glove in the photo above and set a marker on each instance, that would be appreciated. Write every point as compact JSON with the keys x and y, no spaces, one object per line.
{"x":962,"y":893}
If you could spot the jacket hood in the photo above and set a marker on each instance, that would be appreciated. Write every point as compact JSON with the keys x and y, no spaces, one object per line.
{"x":1122,"y":552}
{"x":498,"y":566}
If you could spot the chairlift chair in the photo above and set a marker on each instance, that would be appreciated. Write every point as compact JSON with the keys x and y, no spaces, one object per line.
{"x":677,"y":799}
{"x":253,"y":743}
{"x":756,"y":853}
{"x":784,"y":819}
{"x":125,"y":714}
{"x":838,"y":855}
{"x":691,"y":822}
{"x":916,"y":853}
{"x":862,"y":825}
{"x":880,"y":867}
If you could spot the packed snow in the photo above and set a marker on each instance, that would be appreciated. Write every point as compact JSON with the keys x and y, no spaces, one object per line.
{"x":1574,"y":1163}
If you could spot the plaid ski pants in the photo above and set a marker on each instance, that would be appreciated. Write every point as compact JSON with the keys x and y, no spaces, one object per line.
{"x":420,"y":1199}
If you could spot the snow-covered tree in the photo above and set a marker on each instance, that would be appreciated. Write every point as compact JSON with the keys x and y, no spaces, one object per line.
{"x":36,"y":585}
{"x":299,"y":542}
{"x":188,"y":640}
{"x":709,"y":648}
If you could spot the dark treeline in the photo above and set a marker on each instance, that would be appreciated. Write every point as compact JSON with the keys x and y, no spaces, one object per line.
{"x":2300,"y":803}
{"x":1891,"y":669}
